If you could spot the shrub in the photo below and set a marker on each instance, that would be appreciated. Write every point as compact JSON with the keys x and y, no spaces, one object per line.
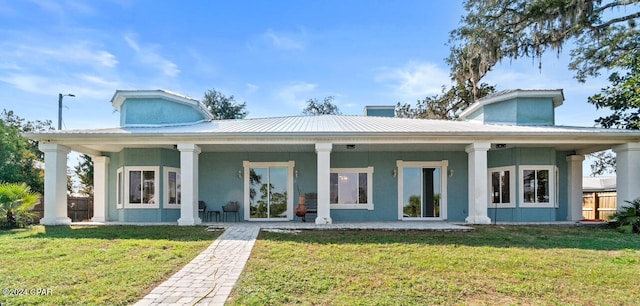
{"x":627,"y":219}
{"x":16,"y":203}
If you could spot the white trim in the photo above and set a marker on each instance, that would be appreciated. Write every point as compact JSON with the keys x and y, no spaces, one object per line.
{"x":556,"y":203}
{"x":512,"y":187}
{"x":120,"y":188}
{"x":156,"y":199}
{"x":551,"y":185}
{"x":165,"y":187}
{"x":369,"y":204}
{"x":443,"y":181}
{"x":247,"y":165}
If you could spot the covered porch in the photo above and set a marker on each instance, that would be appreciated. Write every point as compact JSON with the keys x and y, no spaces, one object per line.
{"x":468,"y":169}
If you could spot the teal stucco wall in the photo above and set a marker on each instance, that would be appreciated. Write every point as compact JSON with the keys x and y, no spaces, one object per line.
{"x":381,"y":112}
{"x":157,"y":111}
{"x":134,"y":158}
{"x":219,"y":182}
{"x":532,"y":157}
{"x":520,"y":111}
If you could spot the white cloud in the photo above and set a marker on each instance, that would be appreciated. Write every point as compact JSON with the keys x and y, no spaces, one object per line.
{"x":80,"y":53}
{"x":50,"y":67}
{"x":85,"y":86}
{"x":52,"y":7}
{"x":251,"y":88}
{"x":201,"y":64}
{"x":414,"y":80}
{"x":148,"y":55}
{"x":295,"y":94}
{"x":286,"y":41}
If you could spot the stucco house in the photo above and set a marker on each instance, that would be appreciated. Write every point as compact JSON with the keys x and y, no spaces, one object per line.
{"x":504,"y":159}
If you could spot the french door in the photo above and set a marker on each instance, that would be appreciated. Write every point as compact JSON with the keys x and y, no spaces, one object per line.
{"x":422,"y":190}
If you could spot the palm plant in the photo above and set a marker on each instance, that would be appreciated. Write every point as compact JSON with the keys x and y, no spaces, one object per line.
{"x":16,"y":203}
{"x":628,"y":217}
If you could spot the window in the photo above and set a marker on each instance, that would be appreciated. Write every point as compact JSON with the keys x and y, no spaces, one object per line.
{"x":120,"y":189}
{"x":501,"y":187}
{"x":351,"y":188}
{"x":537,"y":186}
{"x":172,"y":190}
{"x":140,"y":187}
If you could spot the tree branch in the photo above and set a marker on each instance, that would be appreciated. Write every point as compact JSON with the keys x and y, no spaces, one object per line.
{"x":615,"y":20}
{"x":613,"y":4}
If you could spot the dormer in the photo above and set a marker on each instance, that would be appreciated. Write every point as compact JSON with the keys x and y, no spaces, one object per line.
{"x":516,"y":107}
{"x":140,"y":108}
{"x":380,"y":110}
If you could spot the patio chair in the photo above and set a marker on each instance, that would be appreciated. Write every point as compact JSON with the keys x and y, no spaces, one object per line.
{"x":202,"y":209}
{"x":231,"y":207}
{"x":312,"y":205}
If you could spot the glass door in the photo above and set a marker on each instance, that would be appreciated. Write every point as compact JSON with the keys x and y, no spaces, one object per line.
{"x":422,"y":188}
{"x":268,"y":193}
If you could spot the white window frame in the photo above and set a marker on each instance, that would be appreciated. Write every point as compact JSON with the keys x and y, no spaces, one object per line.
{"x":165,"y":188}
{"x":156,"y":193}
{"x":120,"y":188}
{"x":443,"y":181}
{"x":552,"y":186}
{"x":512,"y":187}
{"x":247,"y":165}
{"x":369,"y":204}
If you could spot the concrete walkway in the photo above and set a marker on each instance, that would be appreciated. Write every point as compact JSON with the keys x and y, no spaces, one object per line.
{"x":209,"y":278}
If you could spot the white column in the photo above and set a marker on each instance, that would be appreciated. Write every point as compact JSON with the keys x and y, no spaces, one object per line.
{"x":55,"y":184}
{"x":100,"y":189}
{"x":189,"y":184}
{"x":574,"y":187}
{"x":323,"y":152}
{"x":627,"y":173}
{"x":478,"y":185}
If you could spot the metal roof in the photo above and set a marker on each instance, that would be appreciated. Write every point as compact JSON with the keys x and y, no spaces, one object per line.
{"x":370,"y":133}
{"x":338,"y":124}
{"x":606,"y":183}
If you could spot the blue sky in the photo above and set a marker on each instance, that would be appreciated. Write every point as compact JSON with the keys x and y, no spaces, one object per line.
{"x":273,"y":55}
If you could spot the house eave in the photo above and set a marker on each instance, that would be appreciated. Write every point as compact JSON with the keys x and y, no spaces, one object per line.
{"x":438,"y":137}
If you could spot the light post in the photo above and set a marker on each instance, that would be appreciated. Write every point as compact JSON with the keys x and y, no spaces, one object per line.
{"x":60,"y":108}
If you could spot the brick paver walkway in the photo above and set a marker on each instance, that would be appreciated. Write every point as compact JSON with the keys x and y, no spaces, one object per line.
{"x":208,"y":278}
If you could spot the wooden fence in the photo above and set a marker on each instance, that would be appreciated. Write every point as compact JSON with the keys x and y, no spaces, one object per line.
{"x":78,"y":208}
{"x":598,"y":205}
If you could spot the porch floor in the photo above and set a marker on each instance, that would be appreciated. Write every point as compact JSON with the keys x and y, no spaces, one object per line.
{"x":390,"y":226}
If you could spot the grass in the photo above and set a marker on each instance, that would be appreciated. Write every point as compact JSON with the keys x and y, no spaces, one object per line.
{"x":114,"y":265}
{"x":540,"y":265}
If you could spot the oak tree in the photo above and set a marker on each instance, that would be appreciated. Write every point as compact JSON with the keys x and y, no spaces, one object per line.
{"x":223,"y":107}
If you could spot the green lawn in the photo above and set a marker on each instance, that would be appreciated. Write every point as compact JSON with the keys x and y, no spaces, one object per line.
{"x":113,"y":265}
{"x":540,"y":265}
